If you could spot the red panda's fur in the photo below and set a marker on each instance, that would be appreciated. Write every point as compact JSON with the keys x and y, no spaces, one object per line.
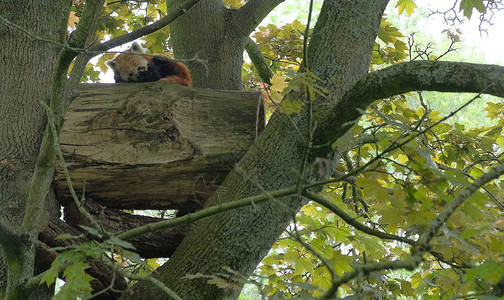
{"x":133,"y":66}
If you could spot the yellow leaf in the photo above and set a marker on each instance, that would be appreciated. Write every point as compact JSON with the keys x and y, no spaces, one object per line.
{"x":406,"y":5}
{"x":278,"y":83}
{"x":402,"y":158}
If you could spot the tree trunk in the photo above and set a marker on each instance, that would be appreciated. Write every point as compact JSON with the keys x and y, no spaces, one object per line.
{"x":155,"y":145}
{"x":340,"y":53}
{"x":27,"y":65}
{"x":202,"y":32}
{"x":216,"y":35}
{"x":22,"y":118}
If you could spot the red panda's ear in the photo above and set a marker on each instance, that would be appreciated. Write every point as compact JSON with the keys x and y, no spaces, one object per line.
{"x":111,"y":63}
{"x":136,"y":48}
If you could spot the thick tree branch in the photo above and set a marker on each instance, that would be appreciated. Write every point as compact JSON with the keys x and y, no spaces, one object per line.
{"x":251,"y":14}
{"x":440,"y":76}
{"x":437,"y":76}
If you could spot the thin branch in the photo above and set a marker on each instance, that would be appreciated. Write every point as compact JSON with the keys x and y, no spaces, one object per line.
{"x":309,"y":118}
{"x":110,"y":287}
{"x":422,"y":245}
{"x":305,"y":64}
{"x":327,"y":263}
{"x":261,"y":188}
{"x":396,"y":145}
{"x":51,"y":121}
{"x":193,"y":217}
{"x":258,"y":60}
{"x":152,"y":280}
{"x":408,"y":264}
{"x":36,"y":37}
{"x":135,"y":34}
{"x":351,"y":221}
{"x":463,"y":195}
{"x":87,"y":24}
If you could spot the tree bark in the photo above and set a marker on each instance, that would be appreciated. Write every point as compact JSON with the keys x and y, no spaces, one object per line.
{"x":26,"y":72}
{"x":22,"y":118}
{"x":155,"y":145}
{"x":216,"y":34}
{"x":340,"y":53}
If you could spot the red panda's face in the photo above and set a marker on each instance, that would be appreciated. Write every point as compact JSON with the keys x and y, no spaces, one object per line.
{"x":128,"y":66}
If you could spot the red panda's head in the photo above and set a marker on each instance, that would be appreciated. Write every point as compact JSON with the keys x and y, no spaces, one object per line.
{"x":127,"y":65}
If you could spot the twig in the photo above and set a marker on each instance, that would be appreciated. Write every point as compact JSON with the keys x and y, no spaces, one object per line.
{"x":39,"y":38}
{"x":150,"y":279}
{"x":351,"y":221}
{"x":193,"y":217}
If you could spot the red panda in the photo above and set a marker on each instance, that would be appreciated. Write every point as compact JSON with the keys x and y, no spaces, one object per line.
{"x":132,"y":66}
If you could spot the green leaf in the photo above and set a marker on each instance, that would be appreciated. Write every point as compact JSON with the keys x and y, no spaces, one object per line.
{"x":490,"y":272}
{"x":91,"y":230}
{"x":468,"y":5}
{"x":77,"y":282}
{"x":124,"y":244}
{"x":474,"y":231}
{"x":49,"y":276}
{"x":388,"y":33}
{"x":289,"y":106}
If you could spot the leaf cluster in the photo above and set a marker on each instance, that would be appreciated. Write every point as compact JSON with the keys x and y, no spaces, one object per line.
{"x":401,"y":193}
{"x":74,"y":261}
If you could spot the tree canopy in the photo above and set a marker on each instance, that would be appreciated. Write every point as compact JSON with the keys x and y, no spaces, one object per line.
{"x":356,"y":188}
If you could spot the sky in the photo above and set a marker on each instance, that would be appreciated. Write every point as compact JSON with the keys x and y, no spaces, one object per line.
{"x":490,"y":45}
